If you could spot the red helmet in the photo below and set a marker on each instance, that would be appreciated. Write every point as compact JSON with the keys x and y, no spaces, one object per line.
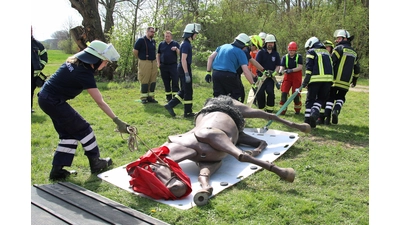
{"x":292,"y":46}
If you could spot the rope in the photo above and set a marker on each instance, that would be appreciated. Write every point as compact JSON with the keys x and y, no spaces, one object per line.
{"x":133,"y":143}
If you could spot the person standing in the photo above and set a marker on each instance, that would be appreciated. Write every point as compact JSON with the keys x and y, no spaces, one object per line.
{"x":318,"y":79}
{"x":346,"y":72}
{"x":185,"y":94}
{"x":292,"y":66}
{"x":225,"y":62}
{"x":329,"y":46}
{"x":145,"y":51}
{"x":74,"y":76}
{"x":38,"y":62}
{"x":251,"y":52}
{"x":167,"y":61}
{"x":269,"y":59}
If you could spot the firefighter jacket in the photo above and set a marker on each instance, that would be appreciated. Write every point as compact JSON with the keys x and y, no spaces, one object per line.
{"x":38,"y":55}
{"x":345,"y":65}
{"x":319,"y":65}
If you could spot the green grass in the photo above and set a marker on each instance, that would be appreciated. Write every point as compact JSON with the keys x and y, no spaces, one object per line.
{"x":331,"y":163}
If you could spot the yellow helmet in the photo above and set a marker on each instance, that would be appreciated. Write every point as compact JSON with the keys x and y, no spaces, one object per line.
{"x":328,"y":43}
{"x":257,"y":41}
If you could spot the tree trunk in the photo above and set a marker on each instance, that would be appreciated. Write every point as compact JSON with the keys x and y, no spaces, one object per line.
{"x":91,"y":28}
{"x":109,"y":20}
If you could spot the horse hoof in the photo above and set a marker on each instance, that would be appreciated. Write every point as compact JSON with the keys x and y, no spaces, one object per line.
{"x":201,"y":198}
{"x":307,"y":128}
{"x":290,"y":174}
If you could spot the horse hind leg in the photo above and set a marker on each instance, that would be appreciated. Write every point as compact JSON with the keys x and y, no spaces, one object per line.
{"x":287,"y":174}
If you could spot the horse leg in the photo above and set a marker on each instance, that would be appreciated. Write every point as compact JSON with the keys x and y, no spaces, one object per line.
{"x":253,"y":142}
{"x":206,"y":169}
{"x":221,"y":142}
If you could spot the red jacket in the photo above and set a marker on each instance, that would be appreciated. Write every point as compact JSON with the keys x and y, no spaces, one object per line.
{"x":145,"y":181}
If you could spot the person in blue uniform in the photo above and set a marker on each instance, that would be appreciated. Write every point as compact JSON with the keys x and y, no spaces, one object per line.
{"x":225,"y":62}
{"x":73,"y":77}
{"x":185,"y":94}
{"x":269,"y":59}
{"x":167,"y":61}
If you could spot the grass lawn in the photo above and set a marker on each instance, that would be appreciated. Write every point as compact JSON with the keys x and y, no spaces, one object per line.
{"x":331,"y":162}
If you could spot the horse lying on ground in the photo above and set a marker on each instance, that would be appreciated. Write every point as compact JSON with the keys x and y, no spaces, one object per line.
{"x":218,"y":129}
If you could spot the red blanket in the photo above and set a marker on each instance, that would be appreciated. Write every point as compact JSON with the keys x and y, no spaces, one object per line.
{"x":145,"y":181}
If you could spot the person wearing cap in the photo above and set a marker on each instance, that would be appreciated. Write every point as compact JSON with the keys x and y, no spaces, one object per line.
{"x":346,"y":72}
{"x":145,"y":51}
{"x":318,"y":79}
{"x":224,"y":62}
{"x":38,"y":62}
{"x":292,"y":67}
{"x":167,"y":61}
{"x":269,"y":59}
{"x":185,"y":94}
{"x":71,"y":78}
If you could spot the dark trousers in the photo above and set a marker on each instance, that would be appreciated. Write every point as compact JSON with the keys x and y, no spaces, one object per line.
{"x":226,"y":83}
{"x":170,"y":78}
{"x":185,"y":94}
{"x":71,"y":128}
{"x":336,"y":100}
{"x":318,"y":93}
{"x":33,"y":85}
{"x":267,"y":88}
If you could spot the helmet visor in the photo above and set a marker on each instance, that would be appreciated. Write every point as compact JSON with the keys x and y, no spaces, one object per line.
{"x":110,"y":53}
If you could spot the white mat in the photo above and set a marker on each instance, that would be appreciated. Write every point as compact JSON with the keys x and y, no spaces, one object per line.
{"x":231,"y":171}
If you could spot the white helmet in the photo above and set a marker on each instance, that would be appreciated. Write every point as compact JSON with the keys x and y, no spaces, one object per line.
{"x":244,"y":38}
{"x":262,"y":35}
{"x":270,"y":38}
{"x":310,"y":42}
{"x":98,"y":50}
{"x":190,"y":29}
{"x":341,"y":33}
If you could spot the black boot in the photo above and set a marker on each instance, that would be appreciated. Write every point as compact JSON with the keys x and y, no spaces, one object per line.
{"x":188,"y":115}
{"x":327,"y":120}
{"x":320,"y":119}
{"x":170,"y":110}
{"x":58,"y":173}
{"x":98,"y":164}
{"x":335,"y":115}
{"x":313,"y":121}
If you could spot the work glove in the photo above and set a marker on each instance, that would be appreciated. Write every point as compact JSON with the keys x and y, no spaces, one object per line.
{"x":265,"y":73}
{"x":274,"y":73}
{"x":278,"y":85}
{"x":208,"y":78}
{"x":121,"y":125}
{"x":187,"y":78}
{"x":36,"y":73}
{"x":289,"y":71}
{"x":306,"y":80}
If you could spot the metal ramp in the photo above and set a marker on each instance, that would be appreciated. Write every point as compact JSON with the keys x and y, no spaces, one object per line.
{"x":67,"y":203}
